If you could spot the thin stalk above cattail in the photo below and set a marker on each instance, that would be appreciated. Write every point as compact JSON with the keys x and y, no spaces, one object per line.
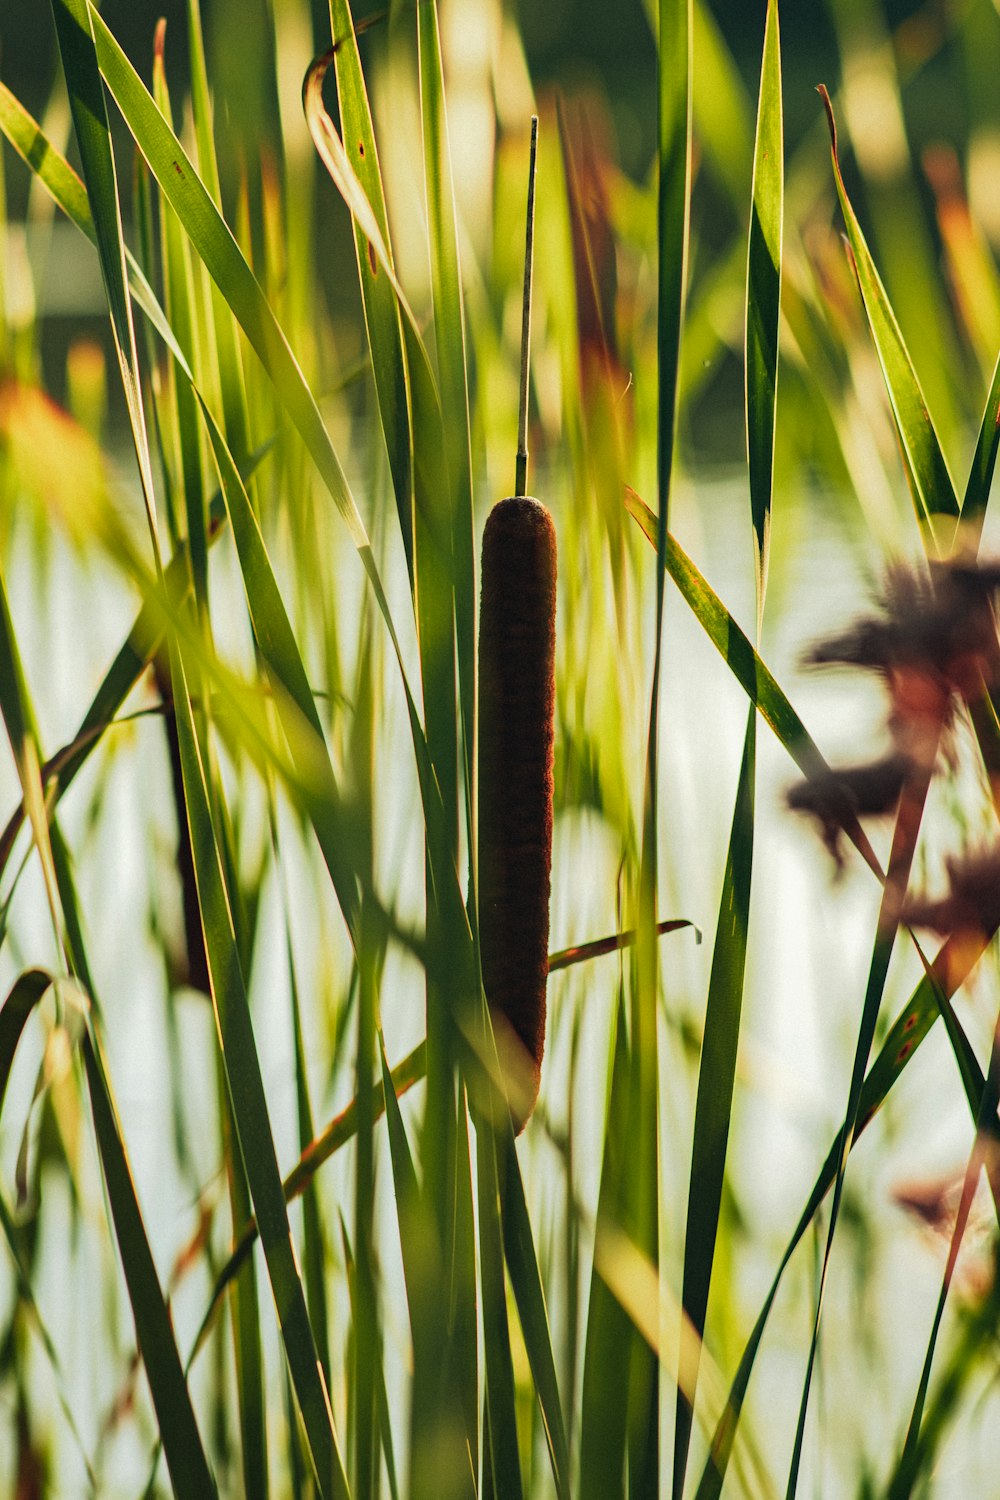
{"x":516,"y":718}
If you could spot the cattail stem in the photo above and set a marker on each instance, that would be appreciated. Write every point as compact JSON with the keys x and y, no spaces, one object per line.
{"x":521,"y":468}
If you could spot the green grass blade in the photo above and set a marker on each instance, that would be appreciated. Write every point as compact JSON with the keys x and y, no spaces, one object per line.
{"x":22,"y":997}
{"x":926,"y":469}
{"x":717,"y":1070}
{"x":381,"y":313}
{"x":86,"y":93}
{"x":716,"y":1076}
{"x":214,"y":243}
{"x":177,"y":276}
{"x":526,"y":1283}
{"x":977,"y":490}
{"x":441,"y":1460}
{"x":744,"y":663}
{"x":764,"y":296}
{"x":154,"y":1332}
{"x":293,"y":696}
{"x":450,"y":337}
{"x":904,"y":841}
{"x":27,"y":1300}
{"x":948,"y":972}
{"x":250,"y":1108}
{"x":604,"y":1402}
{"x":500,"y":1443}
{"x":236,"y":419}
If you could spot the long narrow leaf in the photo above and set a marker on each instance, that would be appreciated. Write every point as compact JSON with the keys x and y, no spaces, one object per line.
{"x":250,"y":1109}
{"x":926,"y":469}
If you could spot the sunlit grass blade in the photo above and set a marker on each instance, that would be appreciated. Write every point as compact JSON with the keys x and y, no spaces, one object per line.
{"x":526,"y":1282}
{"x":971,"y":1346}
{"x":382,"y":319}
{"x":450,"y":338}
{"x":907,"y":1471}
{"x":717,"y":1069}
{"x":294,"y":698}
{"x":222,"y":332}
{"x":134,"y":656}
{"x":926,"y":469}
{"x":716,"y":1076}
{"x":764,"y":296}
{"x":183,"y":315}
{"x":977,"y":490}
{"x":171,"y":1399}
{"x":250,"y":1107}
{"x":22,"y":997}
{"x":500,"y":1429}
{"x":83,"y":80}
{"x":904,"y":842}
{"x":341,"y":1129}
{"x":27,"y":1300}
{"x":948,"y":972}
{"x":674,"y":88}
{"x":607,"y":1351}
{"x":745,"y":664}
{"x":441,"y":1460}
{"x":215,"y":244}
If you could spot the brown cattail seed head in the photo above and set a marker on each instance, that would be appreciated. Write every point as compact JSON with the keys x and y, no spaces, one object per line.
{"x":516,"y":713}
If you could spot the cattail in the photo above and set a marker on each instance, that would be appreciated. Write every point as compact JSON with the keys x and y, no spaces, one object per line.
{"x":517,"y":636}
{"x":516,"y":710}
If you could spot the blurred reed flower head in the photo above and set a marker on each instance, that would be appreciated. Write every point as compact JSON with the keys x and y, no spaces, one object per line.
{"x":835,"y":797}
{"x":934,"y":643}
{"x":972,"y":903}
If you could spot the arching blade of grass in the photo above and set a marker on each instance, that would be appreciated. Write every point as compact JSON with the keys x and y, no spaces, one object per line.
{"x":926,"y":470}
{"x":951,"y":967}
{"x":526,"y":1282}
{"x":974,"y":1343}
{"x":24,"y":994}
{"x":441,"y":1460}
{"x":214,"y":242}
{"x":985,"y":1142}
{"x":977,"y":490}
{"x":607,"y":1350}
{"x":445,"y":548}
{"x":381,"y":313}
{"x":154,"y":1332}
{"x":184,"y":319}
{"x":764,"y":296}
{"x":717,"y":1070}
{"x":500,"y":1455}
{"x":134,"y":656}
{"x":293,"y":696}
{"x":716,"y":1075}
{"x":86,"y":93}
{"x":51,"y":169}
{"x":912,"y":800}
{"x":232,"y":388}
{"x":26,"y":1298}
{"x":250,"y":1110}
{"x":746,"y":666}
{"x":674,"y":87}
{"x":449,"y":331}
